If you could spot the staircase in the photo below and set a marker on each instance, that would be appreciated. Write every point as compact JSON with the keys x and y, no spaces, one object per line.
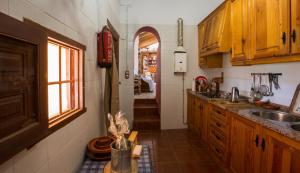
{"x":146,"y":115}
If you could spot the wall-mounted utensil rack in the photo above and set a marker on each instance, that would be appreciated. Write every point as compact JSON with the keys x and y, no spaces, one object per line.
{"x":260,"y":74}
{"x":264,"y":90}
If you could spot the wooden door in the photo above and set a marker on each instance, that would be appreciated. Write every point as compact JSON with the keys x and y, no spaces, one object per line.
{"x":279,"y":154}
{"x":295,"y":26}
{"x":244,"y":152}
{"x":270,"y":28}
{"x":240,"y":30}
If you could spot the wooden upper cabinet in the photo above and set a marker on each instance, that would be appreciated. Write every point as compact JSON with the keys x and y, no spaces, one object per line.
{"x":214,"y":32}
{"x":270,"y":28}
{"x":295,"y":26}
{"x":201,"y":36}
{"x":245,"y":154}
{"x":240,"y":32}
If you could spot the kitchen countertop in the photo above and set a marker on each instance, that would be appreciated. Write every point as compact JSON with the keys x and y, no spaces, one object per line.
{"x":242,"y":109}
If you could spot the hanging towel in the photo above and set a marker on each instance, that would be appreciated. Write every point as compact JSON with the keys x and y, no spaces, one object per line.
{"x":111,"y":91}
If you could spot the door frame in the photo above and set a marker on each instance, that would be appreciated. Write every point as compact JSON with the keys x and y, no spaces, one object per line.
{"x":158,"y":61}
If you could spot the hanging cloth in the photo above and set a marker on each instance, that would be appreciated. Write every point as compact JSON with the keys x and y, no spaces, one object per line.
{"x":111,"y":91}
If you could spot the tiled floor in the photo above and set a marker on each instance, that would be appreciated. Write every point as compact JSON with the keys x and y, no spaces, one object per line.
{"x":178,"y":151}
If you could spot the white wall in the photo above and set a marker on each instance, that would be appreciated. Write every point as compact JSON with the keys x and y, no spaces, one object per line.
{"x":167,"y":12}
{"x":163,"y":15}
{"x":136,"y":55}
{"x":240,"y":77}
{"x":63,"y":151}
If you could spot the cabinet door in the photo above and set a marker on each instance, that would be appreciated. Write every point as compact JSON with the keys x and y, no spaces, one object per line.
{"x":278,"y":155}
{"x":295,"y":23}
{"x":215,"y":27}
{"x":201,"y":35}
{"x":245,"y":155}
{"x":198,"y":116}
{"x":190,"y":112}
{"x":240,"y":26}
{"x":271,"y":34}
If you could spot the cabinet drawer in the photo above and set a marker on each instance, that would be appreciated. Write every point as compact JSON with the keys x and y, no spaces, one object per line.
{"x":217,"y":137}
{"x":218,"y":151}
{"x":219,"y":113}
{"x":218,"y":124}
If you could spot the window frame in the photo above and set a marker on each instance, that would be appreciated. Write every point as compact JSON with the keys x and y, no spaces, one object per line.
{"x":61,"y":39}
{"x":64,"y":113}
{"x":64,"y":118}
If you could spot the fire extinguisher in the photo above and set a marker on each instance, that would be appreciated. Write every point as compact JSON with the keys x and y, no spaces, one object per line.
{"x":105,"y":47}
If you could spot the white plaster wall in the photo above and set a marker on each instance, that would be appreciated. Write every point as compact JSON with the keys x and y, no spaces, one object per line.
{"x":166,"y":12}
{"x":63,"y":151}
{"x":136,"y":55}
{"x":240,"y":77}
{"x":163,"y":15}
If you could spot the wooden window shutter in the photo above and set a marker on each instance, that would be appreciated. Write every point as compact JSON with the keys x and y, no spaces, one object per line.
{"x":23,"y":86}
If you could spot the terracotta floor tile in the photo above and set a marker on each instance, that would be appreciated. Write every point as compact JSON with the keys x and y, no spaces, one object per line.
{"x":198,"y":167}
{"x":167,"y":167}
{"x":178,"y":151}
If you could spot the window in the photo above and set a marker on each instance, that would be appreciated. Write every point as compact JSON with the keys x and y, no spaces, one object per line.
{"x":65,"y":81}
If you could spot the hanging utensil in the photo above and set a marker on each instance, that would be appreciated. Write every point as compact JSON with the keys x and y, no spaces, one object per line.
{"x":275,"y":81}
{"x":252,"y":86}
{"x":270,"y":84}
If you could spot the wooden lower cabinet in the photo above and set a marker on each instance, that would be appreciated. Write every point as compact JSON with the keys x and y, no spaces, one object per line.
{"x":218,"y":134}
{"x":197,"y":116}
{"x":239,"y":144}
{"x":255,"y":149}
{"x":244,"y":146}
{"x":280,"y":154}
{"x":190,"y":111}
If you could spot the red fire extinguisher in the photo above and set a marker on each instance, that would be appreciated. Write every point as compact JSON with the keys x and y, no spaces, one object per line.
{"x":105,"y":47}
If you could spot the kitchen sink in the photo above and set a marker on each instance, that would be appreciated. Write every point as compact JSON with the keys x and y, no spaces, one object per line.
{"x":296,"y":127}
{"x":276,"y":116}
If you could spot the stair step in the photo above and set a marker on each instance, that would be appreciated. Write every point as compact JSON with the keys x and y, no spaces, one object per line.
{"x":146,"y":125}
{"x":144,"y":101}
{"x":146,"y":115}
{"x":145,"y":106}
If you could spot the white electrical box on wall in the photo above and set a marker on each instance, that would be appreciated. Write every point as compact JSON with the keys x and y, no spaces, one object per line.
{"x":180,"y":60}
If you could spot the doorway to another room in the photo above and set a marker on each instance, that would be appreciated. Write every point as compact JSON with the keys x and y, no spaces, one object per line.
{"x":147,"y":79}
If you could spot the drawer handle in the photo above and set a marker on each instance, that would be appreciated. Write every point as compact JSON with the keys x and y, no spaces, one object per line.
{"x":218,"y":124}
{"x":219,"y":112}
{"x":218,"y":137}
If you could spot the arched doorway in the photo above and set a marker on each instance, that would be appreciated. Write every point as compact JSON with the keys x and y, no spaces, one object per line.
{"x":147,"y":78}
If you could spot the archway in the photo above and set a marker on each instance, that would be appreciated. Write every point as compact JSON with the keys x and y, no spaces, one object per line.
{"x":154,"y":40}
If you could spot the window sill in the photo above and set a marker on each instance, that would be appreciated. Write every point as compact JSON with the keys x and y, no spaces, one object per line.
{"x":59,"y":123}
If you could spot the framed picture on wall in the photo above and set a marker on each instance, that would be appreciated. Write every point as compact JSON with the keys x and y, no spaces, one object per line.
{"x":295,"y":105}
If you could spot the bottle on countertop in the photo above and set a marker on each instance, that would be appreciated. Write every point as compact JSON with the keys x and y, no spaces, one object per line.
{"x":193,"y":85}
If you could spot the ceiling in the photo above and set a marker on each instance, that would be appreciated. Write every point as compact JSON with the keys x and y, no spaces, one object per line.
{"x":146,"y":39}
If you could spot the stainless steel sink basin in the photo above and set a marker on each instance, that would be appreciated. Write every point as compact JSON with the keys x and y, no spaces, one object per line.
{"x":276,"y":116}
{"x":296,"y":127}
